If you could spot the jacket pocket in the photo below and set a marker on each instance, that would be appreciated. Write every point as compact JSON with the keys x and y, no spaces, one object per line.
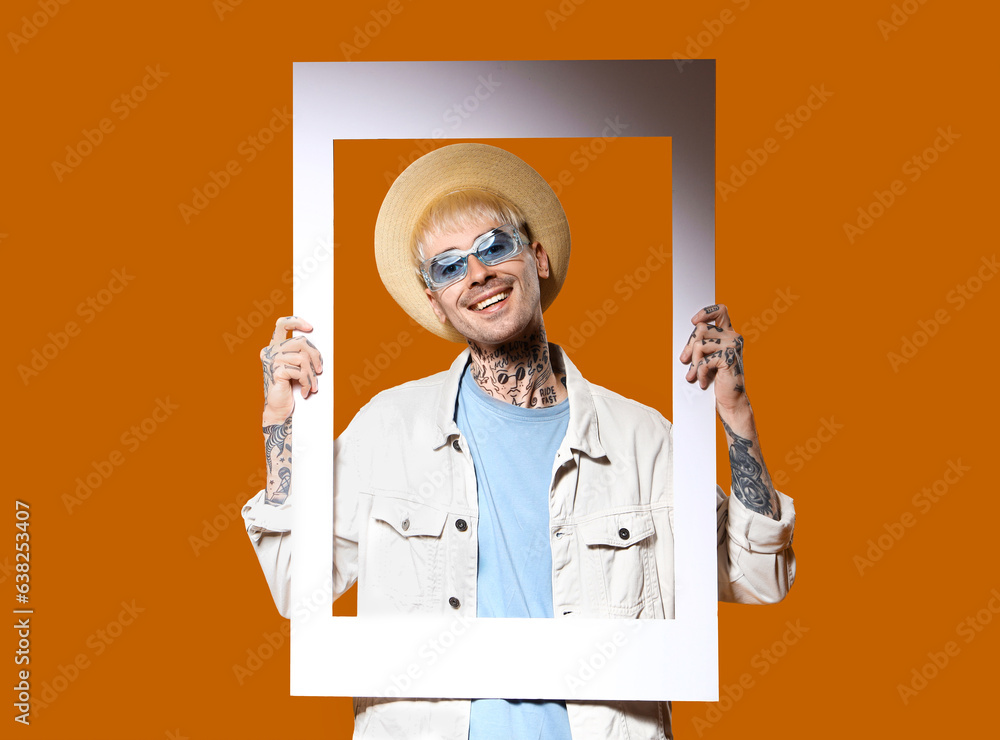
{"x":619,"y":554}
{"x":404,"y":553}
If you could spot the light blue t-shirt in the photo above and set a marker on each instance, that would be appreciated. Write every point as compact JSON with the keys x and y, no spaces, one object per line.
{"x":513,"y":449}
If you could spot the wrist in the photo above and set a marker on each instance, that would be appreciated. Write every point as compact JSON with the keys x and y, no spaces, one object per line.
{"x":271,"y":418}
{"x":738,"y":418}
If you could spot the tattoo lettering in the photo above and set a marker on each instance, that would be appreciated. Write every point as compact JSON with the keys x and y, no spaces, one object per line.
{"x":711,"y":309}
{"x":548,"y":395}
{"x":748,"y":483}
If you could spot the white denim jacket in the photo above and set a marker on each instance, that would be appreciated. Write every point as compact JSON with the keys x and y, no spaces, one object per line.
{"x":405,"y":528}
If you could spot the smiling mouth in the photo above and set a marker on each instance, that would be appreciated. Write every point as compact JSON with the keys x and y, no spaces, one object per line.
{"x":498,"y":298}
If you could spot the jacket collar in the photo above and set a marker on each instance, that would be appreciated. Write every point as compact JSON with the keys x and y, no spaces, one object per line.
{"x":583,"y":433}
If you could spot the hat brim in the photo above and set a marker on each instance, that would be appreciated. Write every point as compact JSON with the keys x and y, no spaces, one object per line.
{"x":463,"y":167}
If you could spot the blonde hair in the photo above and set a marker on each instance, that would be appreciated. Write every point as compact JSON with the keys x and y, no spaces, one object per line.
{"x":459,"y":210}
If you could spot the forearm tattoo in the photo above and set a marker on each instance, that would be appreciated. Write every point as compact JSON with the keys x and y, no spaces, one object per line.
{"x":748,"y":476}
{"x":278,"y":448}
{"x":734,"y":356}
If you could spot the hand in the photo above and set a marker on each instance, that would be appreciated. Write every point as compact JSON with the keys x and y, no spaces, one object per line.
{"x":715,"y":352}
{"x":286,"y":360}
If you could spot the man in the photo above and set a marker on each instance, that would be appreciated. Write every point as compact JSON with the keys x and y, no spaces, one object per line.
{"x":509,"y":486}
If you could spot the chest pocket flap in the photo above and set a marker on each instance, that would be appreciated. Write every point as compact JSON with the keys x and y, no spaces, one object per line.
{"x":618,"y":530}
{"x":409,"y":518}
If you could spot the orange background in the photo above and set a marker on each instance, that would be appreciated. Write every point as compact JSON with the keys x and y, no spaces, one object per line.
{"x":171,"y":672}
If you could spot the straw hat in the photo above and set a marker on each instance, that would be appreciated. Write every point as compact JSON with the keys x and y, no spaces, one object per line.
{"x":463,"y":167}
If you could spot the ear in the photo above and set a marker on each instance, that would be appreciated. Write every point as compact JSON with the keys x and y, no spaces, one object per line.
{"x":435,"y":306}
{"x":541,"y":259}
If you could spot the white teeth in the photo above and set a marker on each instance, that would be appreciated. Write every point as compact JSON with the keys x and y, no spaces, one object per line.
{"x":491,"y":301}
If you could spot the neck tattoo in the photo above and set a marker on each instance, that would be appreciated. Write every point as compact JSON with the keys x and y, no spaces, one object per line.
{"x":519,"y":372}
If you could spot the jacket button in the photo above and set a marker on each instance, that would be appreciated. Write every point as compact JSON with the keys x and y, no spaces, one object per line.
{"x":456,"y":445}
{"x":623,"y":533}
{"x":455,"y":603}
{"x":405,"y":525}
{"x":461,"y":525}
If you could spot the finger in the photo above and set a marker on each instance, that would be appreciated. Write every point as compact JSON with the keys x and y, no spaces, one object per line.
{"x":721,"y":317}
{"x":734,"y":356}
{"x":286,"y":324}
{"x":708,"y":368}
{"x":697,"y":352}
{"x":717,"y":313}
{"x":693,"y":340}
{"x":700,"y":355}
{"x":288,"y":371}
{"x":303,"y":345}
{"x":315,"y":358}
{"x":303,"y":360}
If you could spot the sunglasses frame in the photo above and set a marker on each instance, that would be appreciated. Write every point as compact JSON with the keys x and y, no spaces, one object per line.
{"x":510,"y":229}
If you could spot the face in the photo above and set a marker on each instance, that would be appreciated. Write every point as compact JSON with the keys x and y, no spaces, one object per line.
{"x":514,"y":316}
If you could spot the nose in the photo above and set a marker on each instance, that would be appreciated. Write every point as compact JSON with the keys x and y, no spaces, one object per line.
{"x":478,"y":273}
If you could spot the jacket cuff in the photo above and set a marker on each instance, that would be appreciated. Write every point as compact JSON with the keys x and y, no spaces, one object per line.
{"x":759,"y":533}
{"x":259,"y":516}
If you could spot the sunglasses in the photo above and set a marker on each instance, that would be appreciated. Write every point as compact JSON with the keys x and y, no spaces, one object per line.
{"x":492,"y":248}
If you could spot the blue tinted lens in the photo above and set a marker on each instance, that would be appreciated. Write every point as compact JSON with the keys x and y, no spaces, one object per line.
{"x":496,"y":249}
{"x":446,"y":268}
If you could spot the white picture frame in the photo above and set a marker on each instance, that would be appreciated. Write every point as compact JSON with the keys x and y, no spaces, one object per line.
{"x":574,"y":659}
